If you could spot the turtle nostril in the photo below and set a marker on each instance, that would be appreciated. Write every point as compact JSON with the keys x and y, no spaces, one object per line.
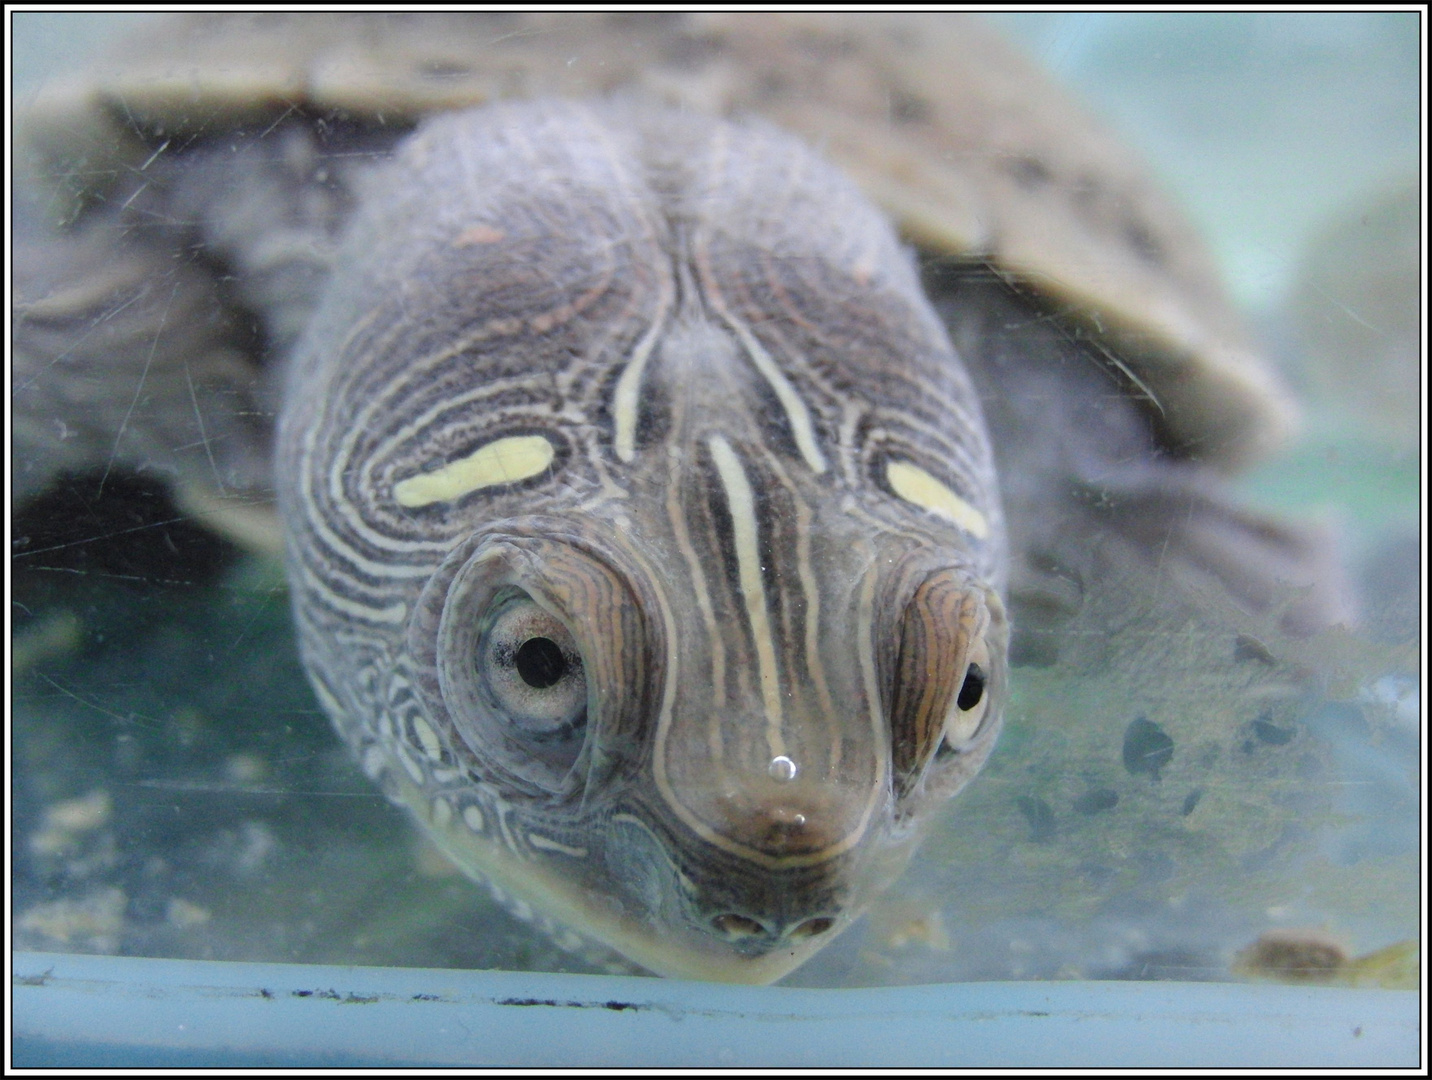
{"x":812,"y":927}
{"x":737,"y":926}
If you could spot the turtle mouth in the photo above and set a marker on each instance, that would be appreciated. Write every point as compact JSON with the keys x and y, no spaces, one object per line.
{"x":721,"y":904}
{"x":752,"y":936}
{"x":760,"y":913}
{"x":752,"y":911}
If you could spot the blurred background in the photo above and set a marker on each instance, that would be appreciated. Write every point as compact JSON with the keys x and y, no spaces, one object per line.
{"x":177,"y":791}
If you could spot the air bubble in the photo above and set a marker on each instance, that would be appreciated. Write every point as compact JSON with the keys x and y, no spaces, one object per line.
{"x":782,"y":768}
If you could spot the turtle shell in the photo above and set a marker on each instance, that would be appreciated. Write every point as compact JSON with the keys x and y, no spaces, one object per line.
{"x":962,"y":140}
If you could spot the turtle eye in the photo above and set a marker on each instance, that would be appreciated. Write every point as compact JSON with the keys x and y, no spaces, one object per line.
{"x":964,"y":720}
{"x":972,"y":690}
{"x":540,"y":656}
{"x":942,"y":693}
{"x":532,"y":672}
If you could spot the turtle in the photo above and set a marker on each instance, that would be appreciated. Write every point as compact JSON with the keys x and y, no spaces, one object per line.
{"x":682,"y":426}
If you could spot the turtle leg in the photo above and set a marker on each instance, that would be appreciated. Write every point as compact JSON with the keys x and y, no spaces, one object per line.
{"x":1092,"y":499}
{"x":152,"y":336}
{"x":126,"y":359}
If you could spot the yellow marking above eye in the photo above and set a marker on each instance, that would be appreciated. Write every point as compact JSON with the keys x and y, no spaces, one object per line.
{"x":915,"y":485}
{"x":504,"y":461}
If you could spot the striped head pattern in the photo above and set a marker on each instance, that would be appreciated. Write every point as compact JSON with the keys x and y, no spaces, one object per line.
{"x":642,"y":527}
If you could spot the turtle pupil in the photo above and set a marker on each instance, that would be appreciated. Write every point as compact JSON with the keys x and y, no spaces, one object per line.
{"x":972,"y":690}
{"x":540,"y":662}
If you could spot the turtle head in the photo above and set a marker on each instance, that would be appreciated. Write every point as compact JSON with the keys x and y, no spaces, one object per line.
{"x":703,"y":740}
{"x":644,"y":528}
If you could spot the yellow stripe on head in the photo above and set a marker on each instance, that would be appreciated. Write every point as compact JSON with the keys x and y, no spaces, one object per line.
{"x":915,"y":485}
{"x":504,"y":461}
{"x":741,"y":505}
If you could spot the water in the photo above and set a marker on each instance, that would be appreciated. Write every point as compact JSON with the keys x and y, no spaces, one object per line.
{"x":178,"y":792}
